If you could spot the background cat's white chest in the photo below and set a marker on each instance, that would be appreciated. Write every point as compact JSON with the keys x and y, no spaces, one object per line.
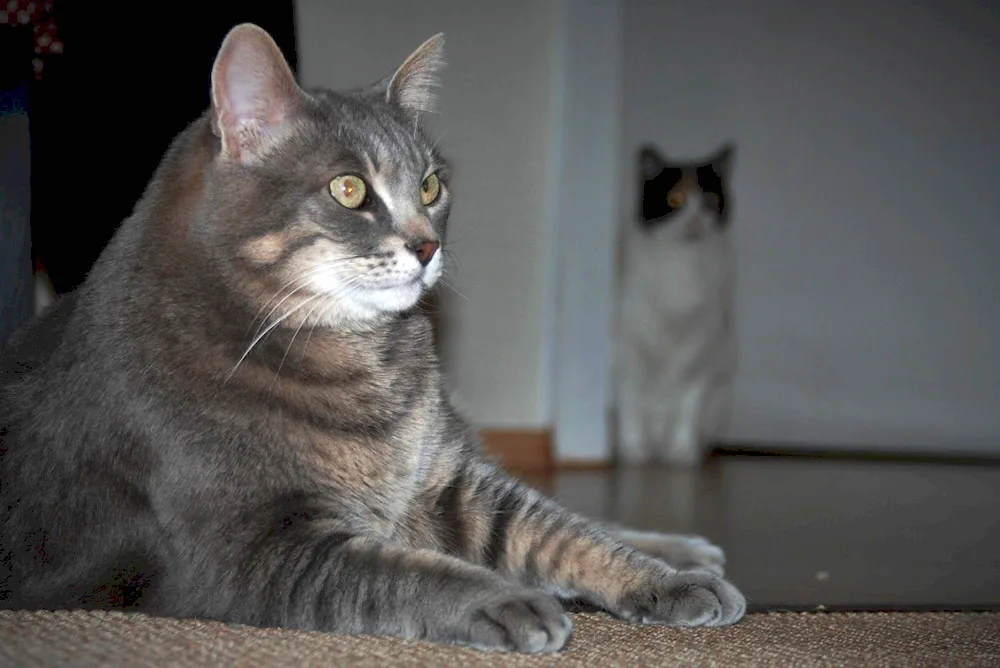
{"x":669,"y":286}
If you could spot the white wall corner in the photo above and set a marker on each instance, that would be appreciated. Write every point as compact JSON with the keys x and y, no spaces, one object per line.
{"x":547,"y":368}
{"x":586,"y":143}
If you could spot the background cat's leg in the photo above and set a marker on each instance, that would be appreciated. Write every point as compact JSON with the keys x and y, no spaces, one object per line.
{"x":685,"y":442}
{"x":533,"y":540}
{"x":633,"y":439}
{"x":719,"y":402}
{"x":355,"y":584}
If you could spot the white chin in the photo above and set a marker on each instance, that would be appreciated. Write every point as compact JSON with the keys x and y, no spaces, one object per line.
{"x":391,"y":300}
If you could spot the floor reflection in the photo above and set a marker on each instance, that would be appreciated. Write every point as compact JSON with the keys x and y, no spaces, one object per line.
{"x":813,"y":532}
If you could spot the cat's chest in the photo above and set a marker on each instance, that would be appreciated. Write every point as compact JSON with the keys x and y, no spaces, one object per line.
{"x":378,"y":475}
{"x":668,"y":276}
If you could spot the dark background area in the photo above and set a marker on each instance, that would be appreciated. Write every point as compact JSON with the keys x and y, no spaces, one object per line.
{"x":108,"y":107}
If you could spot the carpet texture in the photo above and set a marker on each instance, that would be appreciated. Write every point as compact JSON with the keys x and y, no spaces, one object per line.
{"x":768,"y":639}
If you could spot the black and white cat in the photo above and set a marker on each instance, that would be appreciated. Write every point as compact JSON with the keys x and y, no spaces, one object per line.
{"x":676,"y":348}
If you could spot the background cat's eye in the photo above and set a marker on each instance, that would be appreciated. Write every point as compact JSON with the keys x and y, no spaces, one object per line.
{"x":351,"y":191}
{"x":675,"y":199}
{"x":430,"y":189}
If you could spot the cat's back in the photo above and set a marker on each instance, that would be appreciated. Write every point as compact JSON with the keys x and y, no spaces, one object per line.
{"x":31,"y":356}
{"x":72,"y":477}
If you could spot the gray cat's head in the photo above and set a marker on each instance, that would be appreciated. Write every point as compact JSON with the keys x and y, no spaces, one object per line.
{"x":684,"y":199}
{"x":337,"y":199}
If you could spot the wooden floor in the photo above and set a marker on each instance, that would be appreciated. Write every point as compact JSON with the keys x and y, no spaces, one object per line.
{"x":804,"y":533}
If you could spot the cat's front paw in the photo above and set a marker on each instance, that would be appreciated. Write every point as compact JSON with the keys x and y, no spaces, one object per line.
{"x":520,"y":621}
{"x":686,"y":598}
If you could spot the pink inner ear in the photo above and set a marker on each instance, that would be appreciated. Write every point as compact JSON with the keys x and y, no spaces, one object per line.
{"x":251,"y":94}
{"x":253,"y":91}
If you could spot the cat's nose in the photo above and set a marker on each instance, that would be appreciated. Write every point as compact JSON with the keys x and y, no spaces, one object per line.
{"x":424,"y":250}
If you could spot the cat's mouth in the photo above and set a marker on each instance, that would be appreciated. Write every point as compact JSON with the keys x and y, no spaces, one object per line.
{"x":373,"y":290}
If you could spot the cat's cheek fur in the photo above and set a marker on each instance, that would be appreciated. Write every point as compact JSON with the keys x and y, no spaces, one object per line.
{"x":395,"y":289}
{"x":363,"y":294}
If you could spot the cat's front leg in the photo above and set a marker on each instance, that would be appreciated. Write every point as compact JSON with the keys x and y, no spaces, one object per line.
{"x":343,"y":583}
{"x":533,"y":540}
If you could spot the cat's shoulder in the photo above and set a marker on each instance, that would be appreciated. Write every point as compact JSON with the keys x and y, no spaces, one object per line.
{"x":35,"y":342}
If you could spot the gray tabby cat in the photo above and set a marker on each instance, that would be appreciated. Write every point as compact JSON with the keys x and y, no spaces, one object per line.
{"x":239,"y":415}
{"x":676,"y":343}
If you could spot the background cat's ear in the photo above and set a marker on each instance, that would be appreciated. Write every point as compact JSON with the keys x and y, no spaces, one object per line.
{"x":254,"y":93}
{"x":412,"y":86}
{"x":722,"y":161}
{"x":651,"y":162}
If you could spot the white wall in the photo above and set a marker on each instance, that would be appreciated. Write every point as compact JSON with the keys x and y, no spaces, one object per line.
{"x":867,"y":213}
{"x":867,"y":205}
{"x":497,"y":102}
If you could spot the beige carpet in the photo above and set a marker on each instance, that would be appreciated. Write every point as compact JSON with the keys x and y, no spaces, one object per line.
{"x":771,"y":639}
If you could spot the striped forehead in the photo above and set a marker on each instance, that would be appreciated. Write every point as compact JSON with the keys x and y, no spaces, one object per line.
{"x":392,"y":151}
{"x":395,"y":179}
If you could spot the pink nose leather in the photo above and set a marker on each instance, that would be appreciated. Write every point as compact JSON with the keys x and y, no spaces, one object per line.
{"x":424,"y":251}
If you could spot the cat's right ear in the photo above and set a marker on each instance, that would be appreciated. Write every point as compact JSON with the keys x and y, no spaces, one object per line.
{"x":254,"y":94}
{"x":651,"y":163}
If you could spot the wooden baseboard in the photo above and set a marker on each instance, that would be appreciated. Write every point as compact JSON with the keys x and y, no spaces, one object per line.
{"x":532,"y":451}
{"x":520,"y":450}
{"x":584,"y":464}
{"x":819,"y":451}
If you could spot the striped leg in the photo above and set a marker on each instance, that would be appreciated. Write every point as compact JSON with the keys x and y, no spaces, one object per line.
{"x":307,"y":574}
{"x":529,"y":538}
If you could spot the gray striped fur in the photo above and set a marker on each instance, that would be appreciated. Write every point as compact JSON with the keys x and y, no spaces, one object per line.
{"x":323,"y":482}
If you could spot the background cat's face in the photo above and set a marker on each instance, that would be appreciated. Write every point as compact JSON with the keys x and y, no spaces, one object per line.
{"x":684,"y":200}
{"x":332,"y":205}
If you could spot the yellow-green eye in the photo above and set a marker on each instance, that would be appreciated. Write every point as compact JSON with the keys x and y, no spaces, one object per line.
{"x":676,"y":199}
{"x":430,"y":189}
{"x":349,"y":190}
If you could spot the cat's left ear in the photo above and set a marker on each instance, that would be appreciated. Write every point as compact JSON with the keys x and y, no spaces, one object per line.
{"x":722,"y":161}
{"x":412,"y":86}
{"x":254,"y":94}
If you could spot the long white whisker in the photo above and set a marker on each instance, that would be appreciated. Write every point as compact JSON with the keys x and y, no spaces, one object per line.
{"x":302,"y":281}
{"x":305,"y":275}
{"x":294,"y":334}
{"x":450,"y":286}
{"x":437,"y":141}
{"x":330,"y":301}
{"x":312,"y":328}
{"x":267,"y":331}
